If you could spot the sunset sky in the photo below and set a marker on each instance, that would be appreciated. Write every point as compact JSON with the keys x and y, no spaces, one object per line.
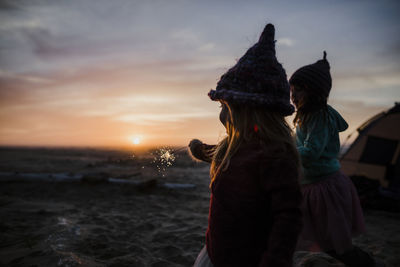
{"x":115,"y":73}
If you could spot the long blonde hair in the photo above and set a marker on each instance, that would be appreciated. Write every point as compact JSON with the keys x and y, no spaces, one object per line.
{"x":246,"y":124}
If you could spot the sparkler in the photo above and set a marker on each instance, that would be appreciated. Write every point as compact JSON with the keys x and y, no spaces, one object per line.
{"x":165,"y":158}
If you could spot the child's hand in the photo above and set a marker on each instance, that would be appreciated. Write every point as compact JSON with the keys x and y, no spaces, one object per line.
{"x":194,"y":145}
{"x":200,"y":151}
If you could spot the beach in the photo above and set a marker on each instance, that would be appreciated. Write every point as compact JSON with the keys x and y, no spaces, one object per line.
{"x":62,"y":207}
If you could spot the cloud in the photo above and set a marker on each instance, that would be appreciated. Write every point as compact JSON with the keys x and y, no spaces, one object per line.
{"x":376,"y":86}
{"x":8,"y":77}
{"x":285,"y":42}
{"x":162,"y":118}
{"x":122,"y":66}
{"x":10,"y":5}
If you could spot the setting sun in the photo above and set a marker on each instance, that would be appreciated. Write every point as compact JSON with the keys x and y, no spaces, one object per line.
{"x":135,"y":140}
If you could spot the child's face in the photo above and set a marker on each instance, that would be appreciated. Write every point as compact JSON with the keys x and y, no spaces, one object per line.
{"x":297,"y":95}
{"x":224,"y":114}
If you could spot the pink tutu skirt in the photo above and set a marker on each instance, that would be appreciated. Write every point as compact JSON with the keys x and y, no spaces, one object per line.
{"x":332,"y":215}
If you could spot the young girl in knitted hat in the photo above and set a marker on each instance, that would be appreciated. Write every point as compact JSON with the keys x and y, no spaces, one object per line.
{"x":331,"y":210}
{"x":254,"y":216}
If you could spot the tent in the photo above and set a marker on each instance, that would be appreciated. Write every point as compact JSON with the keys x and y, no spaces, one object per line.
{"x":375,"y":152}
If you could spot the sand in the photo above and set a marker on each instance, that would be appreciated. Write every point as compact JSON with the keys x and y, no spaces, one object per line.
{"x":157,"y":219}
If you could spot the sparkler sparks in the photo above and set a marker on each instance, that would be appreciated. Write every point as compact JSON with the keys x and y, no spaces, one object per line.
{"x":164,"y":158}
{"x":167,"y":157}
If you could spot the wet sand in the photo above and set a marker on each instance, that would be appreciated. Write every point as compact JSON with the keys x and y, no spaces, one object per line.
{"x":95,"y":222}
{"x":73,"y":224}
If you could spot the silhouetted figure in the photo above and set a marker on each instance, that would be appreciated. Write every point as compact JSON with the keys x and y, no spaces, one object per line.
{"x":331,"y":208}
{"x":254,"y":217}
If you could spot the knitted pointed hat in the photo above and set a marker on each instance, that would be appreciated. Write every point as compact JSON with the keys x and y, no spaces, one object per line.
{"x":257,"y":79}
{"x":316,"y":77}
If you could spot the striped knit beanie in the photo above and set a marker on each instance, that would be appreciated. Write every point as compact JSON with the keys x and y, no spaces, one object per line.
{"x":257,"y":79}
{"x":316,"y":77}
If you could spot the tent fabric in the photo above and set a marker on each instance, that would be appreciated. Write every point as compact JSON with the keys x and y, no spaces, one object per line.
{"x":378,"y":151}
{"x":375,"y":152}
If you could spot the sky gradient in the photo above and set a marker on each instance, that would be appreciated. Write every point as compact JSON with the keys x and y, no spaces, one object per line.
{"x":102,"y":73}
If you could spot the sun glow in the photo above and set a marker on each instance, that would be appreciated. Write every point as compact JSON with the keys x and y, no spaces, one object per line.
{"x":136,"y":140}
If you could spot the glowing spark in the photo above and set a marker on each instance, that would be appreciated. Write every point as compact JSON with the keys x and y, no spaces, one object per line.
{"x":167,"y":156}
{"x":163,"y":159}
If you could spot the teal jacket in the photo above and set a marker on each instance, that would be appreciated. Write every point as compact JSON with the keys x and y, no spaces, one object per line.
{"x":318,"y":144}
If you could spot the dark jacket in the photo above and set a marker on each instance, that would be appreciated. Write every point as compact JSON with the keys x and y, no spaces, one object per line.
{"x":254,"y":217}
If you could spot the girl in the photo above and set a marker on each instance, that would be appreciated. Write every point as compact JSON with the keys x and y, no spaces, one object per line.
{"x":254,"y":216}
{"x":331,"y":210}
